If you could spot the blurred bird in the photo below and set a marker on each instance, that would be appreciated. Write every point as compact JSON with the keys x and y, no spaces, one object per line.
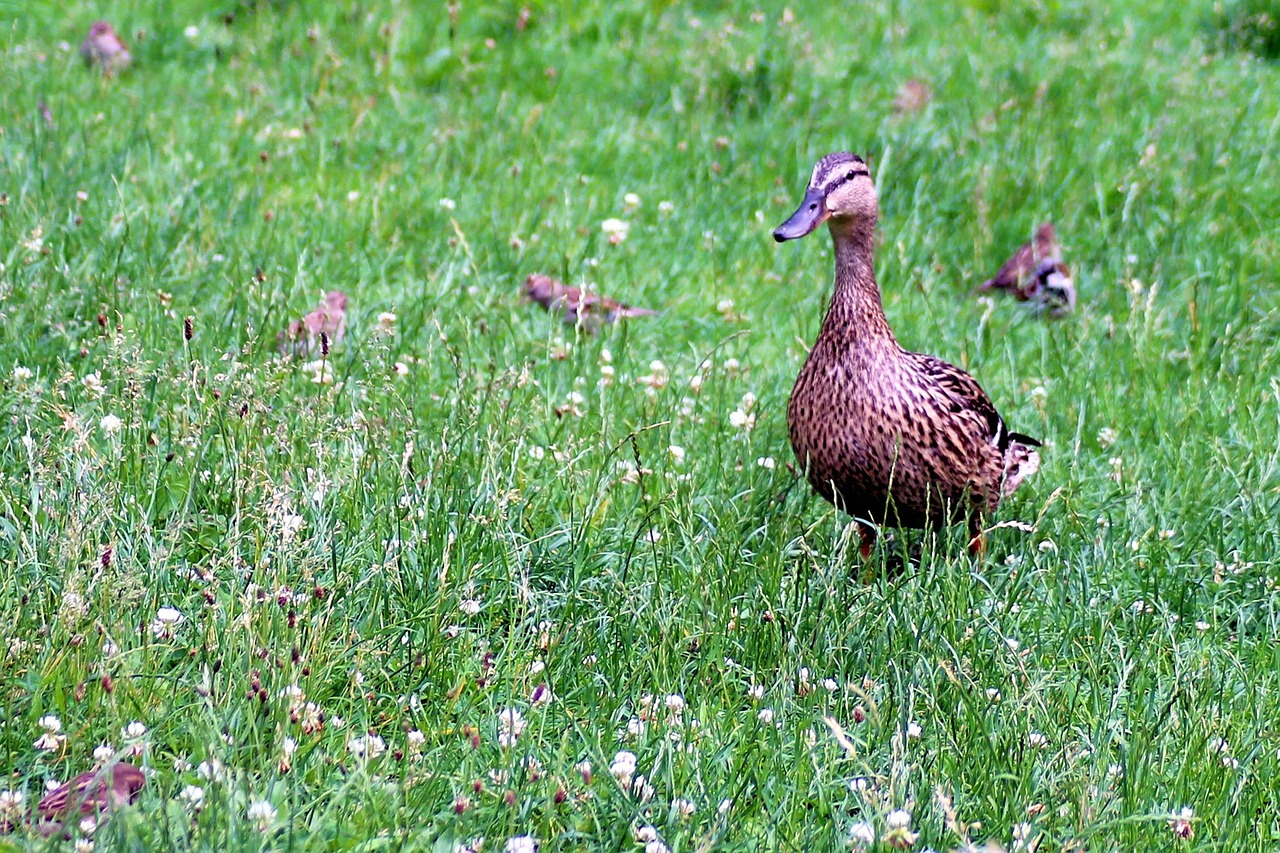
{"x":913,"y":96}
{"x":105,"y":50}
{"x":306,"y":336}
{"x":101,"y":790}
{"x":1036,"y":274}
{"x":577,"y":305}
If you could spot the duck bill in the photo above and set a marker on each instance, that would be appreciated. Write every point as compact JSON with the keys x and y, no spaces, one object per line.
{"x":811,"y":213}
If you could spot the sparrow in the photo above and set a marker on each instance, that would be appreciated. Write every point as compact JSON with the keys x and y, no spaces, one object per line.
{"x":577,"y":305}
{"x":1036,"y":274}
{"x":306,"y":336}
{"x":102,"y":790}
{"x":105,"y":50}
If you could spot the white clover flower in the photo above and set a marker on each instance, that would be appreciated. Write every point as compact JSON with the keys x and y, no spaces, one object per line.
{"x":1180,"y":823}
{"x":1037,"y":740}
{"x":631,"y":201}
{"x":51,"y":738}
{"x":370,"y":746}
{"x":511,"y":724}
{"x":899,"y":832}
{"x":913,"y":730}
{"x":645,"y":834}
{"x":353,"y":196}
{"x":744,"y":421}
{"x":1107,"y":437}
{"x":84,"y":845}
{"x":666,"y":208}
{"x":765,"y":715}
{"x":192,"y":796}
{"x":213,"y":770}
{"x":615,"y":229}
{"x":623,"y":767}
{"x":767,"y":462}
{"x":756,"y":692}
{"x":861,"y":835}
{"x":321,"y":371}
{"x":191,"y":32}
{"x":683,"y":807}
{"x":387,"y":324}
{"x":400,"y":369}
{"x":521,"y":844}
{"x":469,"y":606}
{"x":103,"y":753}
{"x":22,"y":374}
{"x":262,"y":813}
{"x":677,"y":453}
{"x":11,"y":805}
{"x":448,"y":204}
{"x":92,"y":385}
{"x":166,"y":623}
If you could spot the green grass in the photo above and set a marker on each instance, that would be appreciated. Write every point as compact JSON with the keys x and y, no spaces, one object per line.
{"x":327,"y":536}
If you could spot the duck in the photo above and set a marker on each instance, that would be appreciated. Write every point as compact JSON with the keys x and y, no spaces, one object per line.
{"x":1035,"y":274}
{"x":889,"y":436}
{"x":576,"y":305}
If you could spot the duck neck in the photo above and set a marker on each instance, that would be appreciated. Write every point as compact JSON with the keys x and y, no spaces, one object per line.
{"x":856,"y":314}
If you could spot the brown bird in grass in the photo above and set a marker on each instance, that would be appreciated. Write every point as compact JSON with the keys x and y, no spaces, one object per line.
{"x":577,"y":305}
{"x":887,"y":435}
{"x":1036,"y":274}
{"x":104,"y":50}
{"x":102,"y":790}
{"x":304,"y":337}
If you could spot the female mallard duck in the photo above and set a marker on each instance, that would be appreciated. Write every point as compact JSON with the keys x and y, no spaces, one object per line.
{"x":887,"y":435}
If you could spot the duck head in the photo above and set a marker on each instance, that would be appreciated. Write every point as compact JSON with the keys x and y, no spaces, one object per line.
{"x":840,"y":190}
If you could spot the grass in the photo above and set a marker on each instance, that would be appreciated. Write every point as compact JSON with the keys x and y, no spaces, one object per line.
{"x":417,"y":553}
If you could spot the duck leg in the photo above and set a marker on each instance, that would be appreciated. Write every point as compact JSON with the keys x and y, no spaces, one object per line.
{"x":977,"y":542}
{"x":868,"y":535}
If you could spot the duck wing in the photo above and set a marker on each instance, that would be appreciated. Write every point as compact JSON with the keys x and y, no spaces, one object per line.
{"x":965,"y":394}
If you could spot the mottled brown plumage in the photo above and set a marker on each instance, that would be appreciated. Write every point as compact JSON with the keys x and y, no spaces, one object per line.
{"x":576,"y":305}
{"x":889,"y":436}
{"x":1036,"y":274}
{"x":89,"y":793}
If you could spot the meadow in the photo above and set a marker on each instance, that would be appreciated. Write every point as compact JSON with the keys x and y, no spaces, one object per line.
{"x":480,"y":580}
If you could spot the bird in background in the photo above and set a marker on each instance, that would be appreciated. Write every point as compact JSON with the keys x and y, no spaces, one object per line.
{"x":1035,"y":274}
{"x":887,"y":435}
{"x":104,"y":50}
{"x":328,"y":321}
{"x":577,"y":305}
{"x":103,"y":790}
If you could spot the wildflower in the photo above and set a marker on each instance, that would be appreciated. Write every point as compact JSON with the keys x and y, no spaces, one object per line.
{"x":511,"y":724}
{"x":743,"y":417}
{"x":321,"y":371}
{"x":623,"y":767}
{"x":658,"y":375}
{"x":993,"y":694}
{"x":83,"y":845}
{"x":469,"y":606}
{"x":913,"y":730}
{"x":1202,"y":625}
{"x":666,"y":208}
{"x":1037,"y":740}
{"x":11,"y":803}
{"x":51,"y":738}
{"x":103,"y":753}
{"x":386,"y":324}
{"x":615,"y":229}
{"x":1023,"y":839}
{"x":641,"y":789}
{"x":1107,"y":437}
{"x":287,"y":748}
{"x":862,"y":835}
{"x":92,"y":385}
{"x":192,"y":797}
{"x":370,"y":746}
{"x":756,"y":692}
{"x":767,"y":462}
{"x":262,"y":813}
{"x":677,"y":453}
{"x":191,"y":32}
{"x":353,"y":196}
{"x":765,"y":715}
{"x":541,"y":696}
{"x":448,"y":204}
{"x":400,"y":369}
{"x":213,"y":770}
{"x":682,"y":807}
{"x":22,"y":374}
{"x":899,"y":832}
{"x":166,"y":623}
{"x":1180,"y":823}
{"x":631,"y":201}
